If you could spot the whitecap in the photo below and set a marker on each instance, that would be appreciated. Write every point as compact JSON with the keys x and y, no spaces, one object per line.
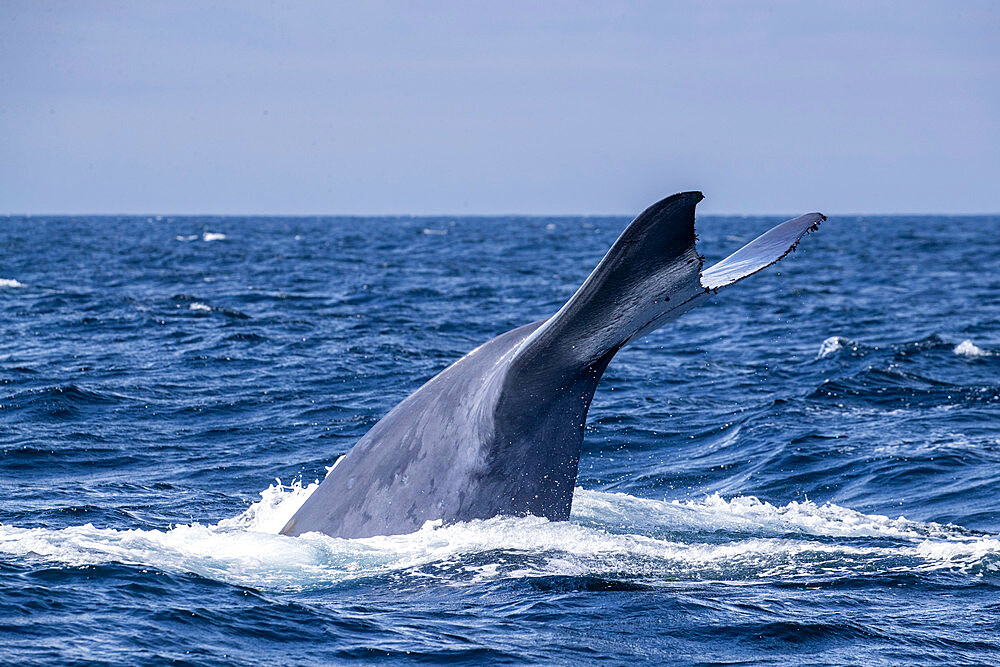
{"x":199,"y":306}
{"x":191,"y":237}
{"x":435,"y":232}
{"x":213,"y":236}
{"x":969,"y":349}
{"x":10,"y":282}
{"x":830,"y":346}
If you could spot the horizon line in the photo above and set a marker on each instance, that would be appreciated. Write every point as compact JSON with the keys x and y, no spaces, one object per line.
{"x":475,"y":215}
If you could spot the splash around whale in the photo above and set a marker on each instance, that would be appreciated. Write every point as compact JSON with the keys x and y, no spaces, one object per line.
{"x":499,"y":432}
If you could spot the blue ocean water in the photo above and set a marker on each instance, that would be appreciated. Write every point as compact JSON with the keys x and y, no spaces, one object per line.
{"x":804,"y":470}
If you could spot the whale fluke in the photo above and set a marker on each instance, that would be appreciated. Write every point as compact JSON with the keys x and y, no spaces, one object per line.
{"x":499,"y":431}
{"x":762,"y":252}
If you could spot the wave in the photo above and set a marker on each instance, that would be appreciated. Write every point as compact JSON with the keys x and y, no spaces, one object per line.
{"x":832,"y":345}
{"x":198,"y":304}
{"x":840,"y":345}
{"x":613,"y":536}
{"x":835,"y":345}
{"x":969,"y":349}
{"x":205,"y":236}
{"x":62,"y":401}
{"x":10,"y":282}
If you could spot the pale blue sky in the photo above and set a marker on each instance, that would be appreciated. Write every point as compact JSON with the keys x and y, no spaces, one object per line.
{"x":498,"y":107}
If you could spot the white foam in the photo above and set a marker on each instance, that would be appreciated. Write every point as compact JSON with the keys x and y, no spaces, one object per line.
{"x":213,"y":236}
{"x":435,"y":232}
{"x":830,"y":346}
{"x":199,"y":306}
{"x":746,"y":514}
{"x":969,"y":349}
{"x":614,"y":535}
{"x":276,"y":506}
{"x":10,"y":282}
{"x":191,"y":237}
{"x":329,"y":469}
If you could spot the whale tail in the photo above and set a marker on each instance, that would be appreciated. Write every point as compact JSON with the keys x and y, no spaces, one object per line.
{"x":651,"y":275}
{"x":499,"y":432}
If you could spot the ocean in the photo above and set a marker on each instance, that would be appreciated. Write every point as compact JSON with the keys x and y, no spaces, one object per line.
{"x":805,"y":470}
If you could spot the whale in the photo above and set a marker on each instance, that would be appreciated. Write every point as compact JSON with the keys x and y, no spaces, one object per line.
{"x":499,"y":432}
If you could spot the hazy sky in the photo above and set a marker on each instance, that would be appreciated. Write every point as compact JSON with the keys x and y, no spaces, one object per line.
{"x":498,"y":107}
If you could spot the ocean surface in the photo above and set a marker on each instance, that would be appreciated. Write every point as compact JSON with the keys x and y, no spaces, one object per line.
{"x":806,"y":470}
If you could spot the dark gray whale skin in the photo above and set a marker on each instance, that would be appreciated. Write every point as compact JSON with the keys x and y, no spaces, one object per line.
{"x":499,"y":431}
